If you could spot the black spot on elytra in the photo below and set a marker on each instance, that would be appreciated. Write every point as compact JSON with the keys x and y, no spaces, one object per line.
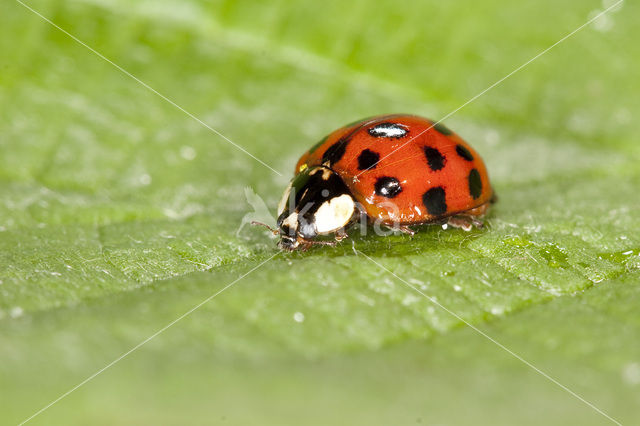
{"x":435,"y":159}
{"x":435,"y":201}
{"x":441,"y":128}
{"x":388,"y":130}
{"x":388,"y":187}
{"x":475,"y":184}
{"x":368,"y":159}
{"x":335,"y":152}
{"x":464,"y":153}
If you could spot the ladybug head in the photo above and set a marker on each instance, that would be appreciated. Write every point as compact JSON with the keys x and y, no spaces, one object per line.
{"x":317,"y":202}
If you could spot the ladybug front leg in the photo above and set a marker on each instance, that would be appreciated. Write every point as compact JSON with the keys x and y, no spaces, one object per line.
{"x":341,"y":234}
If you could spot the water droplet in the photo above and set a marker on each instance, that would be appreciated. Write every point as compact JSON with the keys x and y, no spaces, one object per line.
{"x":366,"y":300}
{"x":188,"y":153}
{"x":603,"y":23}
{"x":555,"y":256}
{"x":497,"y":310}
{"x":623,"y":116}
{"x":631,"y":373}
{"x":620,"y":257}
{"x":298,"y":317}
{"x":16,"y":312}
{"x":410,"y":299}
{"x":493,"y":137}
{"x":145,"y":179}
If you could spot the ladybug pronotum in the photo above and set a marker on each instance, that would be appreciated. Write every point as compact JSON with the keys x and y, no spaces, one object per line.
{"x":399,"y":170}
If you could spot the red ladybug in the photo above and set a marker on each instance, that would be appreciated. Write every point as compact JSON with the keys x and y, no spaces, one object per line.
{"x":399,"y":170}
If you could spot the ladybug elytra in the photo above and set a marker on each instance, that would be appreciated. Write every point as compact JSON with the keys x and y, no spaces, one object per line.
{"x":399,"y":170}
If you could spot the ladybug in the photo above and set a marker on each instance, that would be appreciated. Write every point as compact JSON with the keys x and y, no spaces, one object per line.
{"x":399,"y":170}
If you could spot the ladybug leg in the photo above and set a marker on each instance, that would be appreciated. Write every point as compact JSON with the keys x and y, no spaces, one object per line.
{"x":341,"y":234}
{"x":464,"y":222}
{"x":477,"y":222}
{"x":304,"y":246}
{"x":406,"y":230}
{"x":309,"y":243}
{"x":395,"y":228}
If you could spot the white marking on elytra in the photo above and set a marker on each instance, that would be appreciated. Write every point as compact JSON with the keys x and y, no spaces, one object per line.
{"x":283,"y":201}
{"x":334,"y":214}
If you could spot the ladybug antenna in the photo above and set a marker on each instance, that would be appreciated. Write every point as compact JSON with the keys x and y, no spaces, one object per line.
{"x":273,"y":231}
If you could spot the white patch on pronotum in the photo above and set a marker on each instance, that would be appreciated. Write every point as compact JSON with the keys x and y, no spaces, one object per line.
{"x":326,"y":173}
{"x":291,"y":221}
{"x":285,"y":198}
{"x":334,"y":214}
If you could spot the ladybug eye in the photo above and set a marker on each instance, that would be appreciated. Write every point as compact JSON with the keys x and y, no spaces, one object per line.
{"x":325,"y":193}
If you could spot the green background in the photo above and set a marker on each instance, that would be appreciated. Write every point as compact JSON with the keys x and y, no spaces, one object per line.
{"x":118,"y":213}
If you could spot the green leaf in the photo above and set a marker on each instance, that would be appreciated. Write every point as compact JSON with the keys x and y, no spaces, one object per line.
{"x":119,"y":214}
